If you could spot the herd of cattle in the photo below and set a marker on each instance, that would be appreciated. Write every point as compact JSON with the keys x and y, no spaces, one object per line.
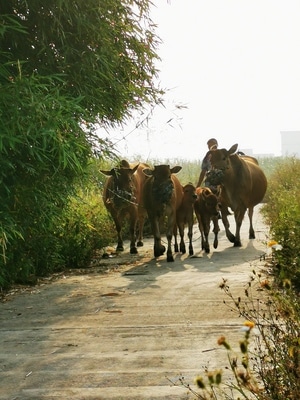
{"x":140,"y":191}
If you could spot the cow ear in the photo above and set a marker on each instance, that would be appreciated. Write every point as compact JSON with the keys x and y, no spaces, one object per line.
{"x":233,"y":149}
{"x":205,"y":192}
{"x":175,"y":169}
{"x":124,"y":164}
{"x":107,"y":173}
{"x":148,"y":171}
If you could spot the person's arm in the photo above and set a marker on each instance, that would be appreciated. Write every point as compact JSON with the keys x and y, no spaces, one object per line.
{"x":201,"y":177}
{"x":205,"y":166}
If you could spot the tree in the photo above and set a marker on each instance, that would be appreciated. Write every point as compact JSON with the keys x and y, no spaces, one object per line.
{"x":103,"y":51}
{"x":65,"y":66}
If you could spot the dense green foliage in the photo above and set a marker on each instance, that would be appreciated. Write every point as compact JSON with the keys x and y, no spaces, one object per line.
{"x":282,"y":213}
{"x":103,"y":51}
{"x":65,"y":68}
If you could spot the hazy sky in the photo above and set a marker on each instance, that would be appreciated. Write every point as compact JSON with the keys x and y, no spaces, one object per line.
{"x":235,"y":66}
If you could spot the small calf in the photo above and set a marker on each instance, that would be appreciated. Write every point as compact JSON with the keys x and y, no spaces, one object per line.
{"x":185,"y":217}
{"x":206,"y":209}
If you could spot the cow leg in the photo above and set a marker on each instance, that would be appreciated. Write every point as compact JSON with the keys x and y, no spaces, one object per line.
{"x":204,"y":243}
{"x":190,"y":236}
{"x":206,"y":229}
{"x":120,"y":246}
{"x":170,"y":229}
{"x":132,"y":228}
{"x":201,"y":230}
{"x":239,"y":216}
{"x":176,"y":248}
{"x":159,"y":249}
{"x":204,"y":235}
{"x":181,"y":233}
{"x":118,"y":225}
{"x":169,"y":249}
{"x":251,"y":230}
{"x":230,"y":236}
{"x":216,"y":230}
{"x":141,"y":223}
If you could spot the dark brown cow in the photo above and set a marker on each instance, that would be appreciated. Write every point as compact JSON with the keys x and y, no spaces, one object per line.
{"x":243,"y":186}
{"x":206,"y":209}
{"x":185,"y":217}
{"x":122,"y":198}
{"x":162,"y":195}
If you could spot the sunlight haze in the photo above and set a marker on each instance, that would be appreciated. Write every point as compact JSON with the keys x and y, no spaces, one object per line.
{"x":231,"y":69}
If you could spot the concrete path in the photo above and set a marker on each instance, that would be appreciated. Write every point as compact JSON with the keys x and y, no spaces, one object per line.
{"x":124,"y":331}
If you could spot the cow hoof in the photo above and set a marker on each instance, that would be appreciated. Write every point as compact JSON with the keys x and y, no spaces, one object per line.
{"x":159,"y":251}
{"x":133,"y":250}
{"x":207,"y":250}
{"x":170,"y":258}
{"x":231,"y":238}
{"x":162,"y":250}
{"x":120,"y":248}
{"x":237,"y":244}
{"x":140,"y":243}
{"x":191,"y":252}
{"x":216,"y":244}
{"x":176,"y":248}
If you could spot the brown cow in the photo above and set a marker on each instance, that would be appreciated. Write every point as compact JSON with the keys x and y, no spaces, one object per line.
{"x":243,"y":186}
{"x":185,"y":216}
{"x":207,"y":210}
{"x":122,"y":198}
{"x":162,"y":195}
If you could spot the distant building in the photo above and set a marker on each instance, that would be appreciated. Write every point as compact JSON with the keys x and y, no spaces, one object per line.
{"x":264,"y":155}
{"x":290,"y":143}
{"x":249,"y":152}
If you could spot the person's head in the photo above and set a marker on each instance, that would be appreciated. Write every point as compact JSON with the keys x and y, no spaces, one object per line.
{"x":212,"y":144}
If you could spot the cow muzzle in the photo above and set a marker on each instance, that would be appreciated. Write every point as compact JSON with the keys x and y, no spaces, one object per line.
{"x":215,"y":176}
{"x":162,"y":193}
{"x":122,"y":198}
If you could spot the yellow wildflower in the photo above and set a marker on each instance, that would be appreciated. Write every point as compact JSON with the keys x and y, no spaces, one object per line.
{"x":249,"y":324}
{"x":272,"y":243}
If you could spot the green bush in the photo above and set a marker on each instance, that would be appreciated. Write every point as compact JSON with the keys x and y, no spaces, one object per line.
{"x":62,"y":73}
{"x":85,"y":227}
{"x":282,"y":214}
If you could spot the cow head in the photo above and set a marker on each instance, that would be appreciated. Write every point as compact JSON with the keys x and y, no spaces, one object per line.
{"x":189,"y":193}
{"x":220,"y":158}
{"x":122,"y":188}
{"x":162,"y":187}
{"x":211,"y":201}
